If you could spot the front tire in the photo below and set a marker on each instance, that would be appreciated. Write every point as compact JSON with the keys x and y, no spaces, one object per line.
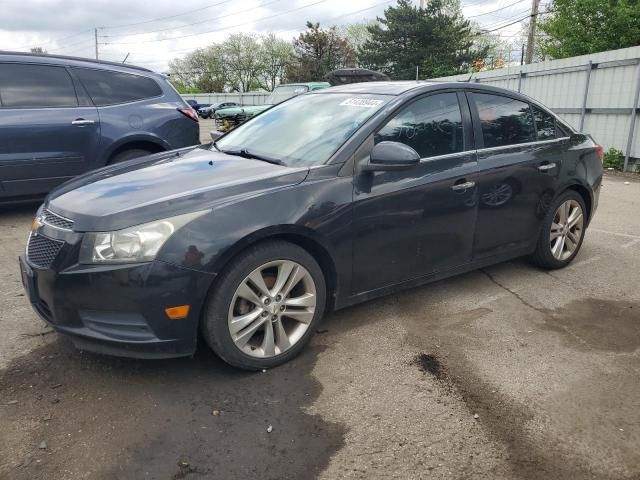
{"x":562,"y":232}
{"x":265,"y":306}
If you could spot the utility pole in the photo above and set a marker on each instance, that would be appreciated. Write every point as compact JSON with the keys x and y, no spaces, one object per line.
{"x":95,"y":34}
{"x":532,"y":31}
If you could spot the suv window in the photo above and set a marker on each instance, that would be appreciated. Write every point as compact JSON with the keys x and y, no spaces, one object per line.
{"x":107,"y":88}
{"x":504,"y":120}
{"x":545,"y":124}
{"x":431,"y":126}
{"x":25,"y":86}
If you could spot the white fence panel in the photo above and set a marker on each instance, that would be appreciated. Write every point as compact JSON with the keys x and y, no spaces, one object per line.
{"x":247,"y":98}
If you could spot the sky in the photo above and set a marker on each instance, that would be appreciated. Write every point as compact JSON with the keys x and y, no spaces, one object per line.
{"x":152,"y":33}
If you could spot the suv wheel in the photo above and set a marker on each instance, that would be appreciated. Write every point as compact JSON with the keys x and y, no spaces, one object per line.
{"x":562,"y":232}
{"x":129,"y":155}
{"x":265,"y":306}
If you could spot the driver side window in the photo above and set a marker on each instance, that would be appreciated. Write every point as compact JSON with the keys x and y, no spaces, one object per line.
{"x":432,"y":126}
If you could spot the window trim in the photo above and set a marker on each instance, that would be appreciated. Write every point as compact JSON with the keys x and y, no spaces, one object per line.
{"x":73,"y":68}
{"x":38,"y":64}
{"x":465,"y":117}
{"x":477,"y":124}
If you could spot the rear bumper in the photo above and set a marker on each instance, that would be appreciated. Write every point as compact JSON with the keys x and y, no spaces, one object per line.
{"x":120,"y":310}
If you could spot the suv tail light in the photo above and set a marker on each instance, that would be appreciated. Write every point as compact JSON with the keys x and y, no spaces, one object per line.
{"x":600,"y":152}
{"x":188,"y":112}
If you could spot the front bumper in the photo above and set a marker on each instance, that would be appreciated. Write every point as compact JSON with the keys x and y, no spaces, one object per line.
{"x":120,"y":309}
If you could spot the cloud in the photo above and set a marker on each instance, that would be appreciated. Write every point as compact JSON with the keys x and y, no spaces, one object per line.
{"x":153,"y":32}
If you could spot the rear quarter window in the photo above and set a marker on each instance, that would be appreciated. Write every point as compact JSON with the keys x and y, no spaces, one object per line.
{"x":108,"y":88}
{"x":545,"y":124}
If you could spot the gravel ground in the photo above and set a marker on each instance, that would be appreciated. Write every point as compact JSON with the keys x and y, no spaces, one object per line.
{"x":506,"y":373}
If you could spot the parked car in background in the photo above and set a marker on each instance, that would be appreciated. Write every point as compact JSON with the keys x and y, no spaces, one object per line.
{"x":229,"y":118}
{"x":195,"y":105}
{"x":326,"y":200}
{"x":63,"y":116}
{"x":209,"y":110}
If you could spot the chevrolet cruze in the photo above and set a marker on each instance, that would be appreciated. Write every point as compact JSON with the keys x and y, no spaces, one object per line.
{"x":326,"y":200}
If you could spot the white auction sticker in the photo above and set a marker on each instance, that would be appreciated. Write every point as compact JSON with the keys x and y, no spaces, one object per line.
{"x":361,"y":102}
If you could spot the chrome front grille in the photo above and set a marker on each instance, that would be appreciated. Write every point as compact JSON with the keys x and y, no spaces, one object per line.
{"x":42,"y":251}
{"x":56,"y":221}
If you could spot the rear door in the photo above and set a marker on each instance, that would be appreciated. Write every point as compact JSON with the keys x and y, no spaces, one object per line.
{"x":520,"y":157}
{"x":47,"y":134}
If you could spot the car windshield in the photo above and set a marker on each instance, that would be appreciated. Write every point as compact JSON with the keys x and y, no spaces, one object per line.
{"x":280,"y":94}
{"x":305,"y":130}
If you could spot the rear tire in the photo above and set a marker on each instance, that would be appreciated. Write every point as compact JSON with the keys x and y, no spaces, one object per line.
{"x":265,"y":306}
{"x":562,"y":232}
{"x":129,"y":155}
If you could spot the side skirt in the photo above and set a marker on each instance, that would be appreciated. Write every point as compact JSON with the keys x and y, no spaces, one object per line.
{"x":432,"y":277}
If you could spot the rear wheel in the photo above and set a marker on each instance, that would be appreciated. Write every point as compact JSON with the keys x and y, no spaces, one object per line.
{"x":129,"y":155}
{"x":562,"y":232}
{"x":265,"y":306}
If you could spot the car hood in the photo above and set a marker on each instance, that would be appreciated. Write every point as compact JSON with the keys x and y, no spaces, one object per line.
{"x":164,"y":185}
{"x":251,"y":110}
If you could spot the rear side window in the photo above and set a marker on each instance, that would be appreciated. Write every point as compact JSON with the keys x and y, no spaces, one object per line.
{"x":432,"y":126}
{"x":545,"y":124}
{"x":107,"y":88}
{"x":30,"y":86}
{"x":504,"y":120}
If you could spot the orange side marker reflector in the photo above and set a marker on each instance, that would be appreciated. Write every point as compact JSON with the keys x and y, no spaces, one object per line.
{"x":177,"y":313}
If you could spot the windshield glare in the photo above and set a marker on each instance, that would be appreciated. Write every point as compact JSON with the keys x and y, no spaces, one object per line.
{"x":280,"y":94}
{"x":305,"y":130}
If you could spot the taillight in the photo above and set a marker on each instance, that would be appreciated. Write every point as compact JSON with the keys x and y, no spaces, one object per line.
{"x":600,"y":152}
{"x":188,"y":112}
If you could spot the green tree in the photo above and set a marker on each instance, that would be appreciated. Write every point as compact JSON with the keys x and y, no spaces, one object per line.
{"x":202,"y":70}
{"x":277,"y":55}
{"x":37,"y":50}
{"x":317,"y":52}
{"x":437,"y":39}
{"x":579,"y":27}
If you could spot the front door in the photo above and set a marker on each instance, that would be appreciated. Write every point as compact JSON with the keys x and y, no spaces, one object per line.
{"x":414,"y":222}
{"x":46,"y":135}
{"x":519,"y":166}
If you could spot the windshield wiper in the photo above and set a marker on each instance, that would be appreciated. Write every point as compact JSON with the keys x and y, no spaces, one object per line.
{"x":243,"y":152}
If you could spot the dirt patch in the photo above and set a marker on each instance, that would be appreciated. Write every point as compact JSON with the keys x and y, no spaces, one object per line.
{"x":430,"y":364}
{"x":105,"y":417}
{"x":610,"y":325}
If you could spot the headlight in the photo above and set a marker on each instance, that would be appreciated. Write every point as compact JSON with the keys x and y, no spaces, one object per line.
{"x":131,"y":245}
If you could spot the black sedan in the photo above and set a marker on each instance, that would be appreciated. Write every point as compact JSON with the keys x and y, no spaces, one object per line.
{"x":326,"y":200}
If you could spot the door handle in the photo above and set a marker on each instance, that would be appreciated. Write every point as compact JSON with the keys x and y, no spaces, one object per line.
{"x":547,"y":166}
{"x":81,"y":121}
{"x":462,"y":186}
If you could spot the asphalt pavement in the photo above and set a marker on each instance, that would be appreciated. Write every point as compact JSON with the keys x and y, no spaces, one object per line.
{"x":511,"y":372}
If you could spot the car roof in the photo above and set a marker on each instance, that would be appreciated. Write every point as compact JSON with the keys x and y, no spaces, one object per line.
{"x":306,"y":84}
{"x":66,"y":60}
{"x":402,"y":87}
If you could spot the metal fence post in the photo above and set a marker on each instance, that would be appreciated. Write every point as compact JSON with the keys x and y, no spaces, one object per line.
{"x":586,"y":95}
{"x":519,"y":81}
{"x":632,"y":127}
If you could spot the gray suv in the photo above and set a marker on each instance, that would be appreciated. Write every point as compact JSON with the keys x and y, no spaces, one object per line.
{"x":63,"y":116}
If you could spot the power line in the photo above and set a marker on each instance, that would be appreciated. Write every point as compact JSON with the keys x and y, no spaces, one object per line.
{"x":54,"y":41}
{"x":195,"y":23}
{"x":110,"y":27}
{"x":497,"y":10}
{"x":355,"y":12}
{"x":219,"y":29}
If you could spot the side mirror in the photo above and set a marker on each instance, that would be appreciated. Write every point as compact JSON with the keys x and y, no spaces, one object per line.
{"x":392,"y":156}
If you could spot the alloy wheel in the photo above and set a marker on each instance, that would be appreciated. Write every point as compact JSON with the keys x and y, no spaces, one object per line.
{"x":272,"y":308}
{"x":566,"y":229}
